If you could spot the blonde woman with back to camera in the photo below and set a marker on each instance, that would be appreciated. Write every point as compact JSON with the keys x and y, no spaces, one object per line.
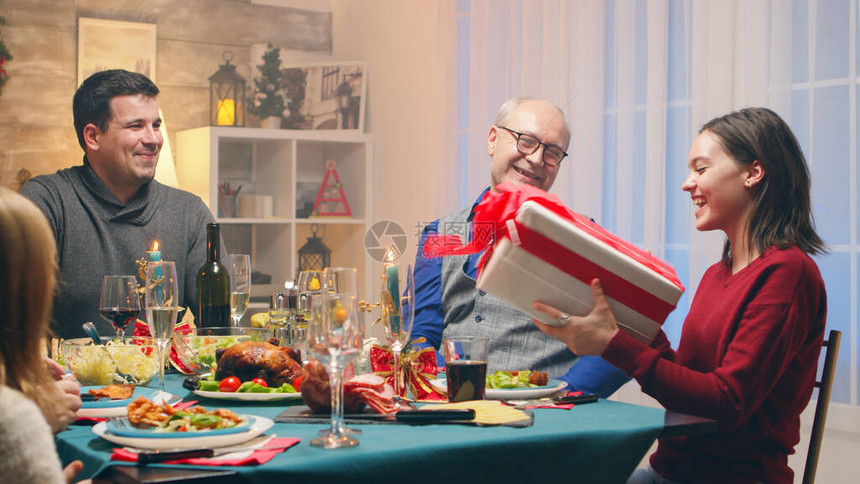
{"x":29,"y":397}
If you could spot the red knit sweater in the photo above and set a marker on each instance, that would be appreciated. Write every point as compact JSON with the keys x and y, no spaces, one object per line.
{"x":747,"y":358}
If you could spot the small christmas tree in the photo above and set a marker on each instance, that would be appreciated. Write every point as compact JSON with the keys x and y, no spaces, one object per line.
{"x":269,"y":96}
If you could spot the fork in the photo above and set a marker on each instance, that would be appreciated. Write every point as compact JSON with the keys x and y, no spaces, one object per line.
{"x":120,"y":422}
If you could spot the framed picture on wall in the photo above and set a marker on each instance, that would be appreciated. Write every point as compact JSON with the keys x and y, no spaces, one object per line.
{"x":325,"y":95}
{"x":114,"y":44}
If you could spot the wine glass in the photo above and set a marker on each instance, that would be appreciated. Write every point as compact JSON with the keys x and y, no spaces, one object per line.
{"x":335,"y":337}
{"x":240,"y":286}
{"x":398,"y":312}
{"x":119,"y":302}
{"x":162,"y":307}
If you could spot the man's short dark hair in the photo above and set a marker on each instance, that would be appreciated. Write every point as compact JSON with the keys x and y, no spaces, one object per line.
{"x":91,"y":103}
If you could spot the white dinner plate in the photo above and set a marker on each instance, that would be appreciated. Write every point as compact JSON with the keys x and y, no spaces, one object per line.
{"x":552,"y":387}
{"x":248,"y":396}
{"x":121,"y":409}
{"x":257,"y":427}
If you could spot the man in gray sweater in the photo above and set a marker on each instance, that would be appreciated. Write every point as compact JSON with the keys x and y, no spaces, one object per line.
{"x":107,"y":212}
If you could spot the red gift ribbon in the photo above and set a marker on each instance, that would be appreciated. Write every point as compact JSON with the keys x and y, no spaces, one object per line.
{"x":418,"y":366}
{"x":183,"y":327}
{"x":489,"y":224}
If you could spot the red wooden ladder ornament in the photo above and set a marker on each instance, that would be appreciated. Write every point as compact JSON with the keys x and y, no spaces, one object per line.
{"x":331,"y":202}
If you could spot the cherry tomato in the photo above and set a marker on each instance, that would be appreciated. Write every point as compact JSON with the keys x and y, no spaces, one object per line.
{"x":297,"y":383}
{"x":229,"y":384}
{"x":260,"y":382}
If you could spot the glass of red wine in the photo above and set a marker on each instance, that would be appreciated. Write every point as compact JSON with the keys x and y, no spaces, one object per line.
{"x":119,"y":302}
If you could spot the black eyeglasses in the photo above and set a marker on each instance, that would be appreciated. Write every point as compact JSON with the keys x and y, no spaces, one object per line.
{"x":528,"y":144}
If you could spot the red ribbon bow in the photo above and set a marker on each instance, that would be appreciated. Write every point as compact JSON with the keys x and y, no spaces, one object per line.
{"x":183,"y":327}
{"x":418,"y":366}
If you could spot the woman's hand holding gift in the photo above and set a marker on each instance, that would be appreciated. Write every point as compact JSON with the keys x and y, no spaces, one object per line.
{"x":587,"y":335}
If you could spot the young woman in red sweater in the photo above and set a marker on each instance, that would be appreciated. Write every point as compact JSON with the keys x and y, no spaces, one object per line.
{"x":750,"y":343}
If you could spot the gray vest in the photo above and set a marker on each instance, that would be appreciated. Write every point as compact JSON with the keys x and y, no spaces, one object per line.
{"x":515,"y":342}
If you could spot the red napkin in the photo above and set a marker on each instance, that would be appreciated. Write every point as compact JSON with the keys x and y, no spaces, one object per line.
{"x":184,"y":405}
{"x":88,"y":420}
{"x":257,"y":457}
{"x":563,"y":406}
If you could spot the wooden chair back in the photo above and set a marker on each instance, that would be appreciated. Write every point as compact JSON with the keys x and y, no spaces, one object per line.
{"x":831,"y":350}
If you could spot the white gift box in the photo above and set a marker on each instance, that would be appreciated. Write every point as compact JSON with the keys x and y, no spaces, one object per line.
{"x":548,"y":258}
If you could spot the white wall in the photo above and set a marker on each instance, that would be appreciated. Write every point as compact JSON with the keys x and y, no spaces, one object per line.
{"x":408,"y":104}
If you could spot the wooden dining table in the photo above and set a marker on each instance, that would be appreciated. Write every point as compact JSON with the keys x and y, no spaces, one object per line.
{"x":595,"y":442}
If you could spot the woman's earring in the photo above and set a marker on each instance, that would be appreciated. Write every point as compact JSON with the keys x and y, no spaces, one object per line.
{"x":747,"y":183}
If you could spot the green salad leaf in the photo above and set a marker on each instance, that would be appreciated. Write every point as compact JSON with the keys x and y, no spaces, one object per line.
{"x":507,"y":380}
{"x":286,"y":388}
{"x":207,"y":385}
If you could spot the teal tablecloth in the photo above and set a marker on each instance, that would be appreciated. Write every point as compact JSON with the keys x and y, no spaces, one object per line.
{"x":598,"y":442}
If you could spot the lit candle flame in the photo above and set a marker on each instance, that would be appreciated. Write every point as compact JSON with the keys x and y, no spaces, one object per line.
{"x":154,"y":245}
{"x":389,"y":256}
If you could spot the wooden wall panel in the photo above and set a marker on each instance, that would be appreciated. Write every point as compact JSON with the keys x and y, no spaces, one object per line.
{"x":36,"y":130}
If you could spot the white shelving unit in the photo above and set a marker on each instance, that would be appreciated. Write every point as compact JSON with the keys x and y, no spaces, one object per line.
{"x":278,"y":166}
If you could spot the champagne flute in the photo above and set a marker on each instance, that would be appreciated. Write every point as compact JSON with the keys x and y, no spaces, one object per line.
{"x":335,"y":337}
{"x":398,"y":312}
{"x":240,"y":286}
{"x":162,"y":307}
{"x":119,"y":302}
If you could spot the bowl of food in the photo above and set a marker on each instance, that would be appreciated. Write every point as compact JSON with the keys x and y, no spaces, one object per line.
{"x":195,"y":352}
{"x":134,"y":361}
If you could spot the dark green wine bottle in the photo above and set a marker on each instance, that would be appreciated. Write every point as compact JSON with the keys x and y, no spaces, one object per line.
{"x":213,"y":284}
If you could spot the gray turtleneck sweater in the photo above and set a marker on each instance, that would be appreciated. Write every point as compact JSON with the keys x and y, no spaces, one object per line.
{"x":98,"y":235}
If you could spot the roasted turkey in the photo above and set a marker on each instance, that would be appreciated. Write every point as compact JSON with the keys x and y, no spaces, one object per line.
{"x":255,"y":359}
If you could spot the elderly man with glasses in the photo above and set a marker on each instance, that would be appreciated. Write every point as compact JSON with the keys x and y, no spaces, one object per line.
{"x":526,"y":145}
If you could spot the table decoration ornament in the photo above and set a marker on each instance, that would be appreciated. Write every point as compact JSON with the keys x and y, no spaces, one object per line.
{"x":418,"y":367}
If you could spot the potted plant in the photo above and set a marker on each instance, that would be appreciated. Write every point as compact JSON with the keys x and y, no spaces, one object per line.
{"x":268,"y":102}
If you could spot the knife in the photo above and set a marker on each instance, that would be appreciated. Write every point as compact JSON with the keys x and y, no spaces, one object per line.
{"x":89,"y":397}
{"x":153,"y":456}
{"x":577,"y":399}
{"x":418,"y":416}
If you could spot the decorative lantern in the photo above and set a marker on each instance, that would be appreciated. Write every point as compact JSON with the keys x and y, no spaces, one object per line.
{"x":314,"y":255}
{"x":227,"y":95}
{"x":344,"y":93}
{"x":344,"y":99}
